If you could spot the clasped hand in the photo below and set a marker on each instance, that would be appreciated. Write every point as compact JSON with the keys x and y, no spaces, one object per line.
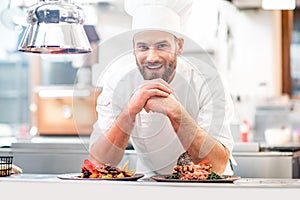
{"x":153,"y":95}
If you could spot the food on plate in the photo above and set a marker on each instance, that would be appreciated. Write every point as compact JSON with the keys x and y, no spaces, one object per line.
{"x":16,"y":169}
{"x":90,"y":170}
{"x":201,"y":171}
{"x":5,"y":166}
{"x":4,"y":171}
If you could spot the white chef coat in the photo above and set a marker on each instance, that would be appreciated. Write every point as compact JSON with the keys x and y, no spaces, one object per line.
{"x":153,"y":137}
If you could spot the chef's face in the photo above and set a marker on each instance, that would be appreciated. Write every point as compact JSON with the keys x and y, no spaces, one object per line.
{"x":156,"y":54}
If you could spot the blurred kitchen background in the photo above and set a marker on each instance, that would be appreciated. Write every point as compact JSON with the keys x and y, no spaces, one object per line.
{"x":255,"y":49}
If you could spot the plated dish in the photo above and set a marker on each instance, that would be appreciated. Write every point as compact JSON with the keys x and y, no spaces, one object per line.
{"x":190,"y":172}
{"x":77,"y":176}
{"x":91,"y":171}
{"x":166,"y":178}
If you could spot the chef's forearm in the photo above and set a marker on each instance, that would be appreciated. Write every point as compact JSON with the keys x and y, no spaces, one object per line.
{"x":110,"y":147}
{"x":184,"y":126}
{"x":205,"y":147}
{"x":104,"y":151}
{"x":197,"y":142}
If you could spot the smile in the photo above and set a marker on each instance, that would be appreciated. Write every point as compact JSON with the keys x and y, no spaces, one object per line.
{"x":154,"y":66}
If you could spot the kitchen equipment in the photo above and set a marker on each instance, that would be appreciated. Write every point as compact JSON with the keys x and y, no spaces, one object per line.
{"x":65,"y":111}
{"x":278,"y":136}
{"x":267,"y":117}
{"x":246,"y":147}
{"x":265,"y":4}
{"x":278,"y":4}
{"x":296,"y":136}
{"x":6,"y":165}
{"x":269,"y":164}
{"x":55,"y":27}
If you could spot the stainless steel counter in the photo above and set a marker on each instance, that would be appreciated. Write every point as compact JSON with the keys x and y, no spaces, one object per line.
{"x":257,"y":161}
{"x":265,"y":164}
{"x":54,"y":155}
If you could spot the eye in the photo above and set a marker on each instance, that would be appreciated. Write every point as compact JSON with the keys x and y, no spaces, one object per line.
{"x":142,"y":47}
{"x":162,"y":46}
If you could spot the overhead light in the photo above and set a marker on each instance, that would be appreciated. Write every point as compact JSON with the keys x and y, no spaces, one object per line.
{"x":55,"y":27}
{"x":278,"y":4}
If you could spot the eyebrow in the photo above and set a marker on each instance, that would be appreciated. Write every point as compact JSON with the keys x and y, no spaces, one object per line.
{"x":163,"y":41}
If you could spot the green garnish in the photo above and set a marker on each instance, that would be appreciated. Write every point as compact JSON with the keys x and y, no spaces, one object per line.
{"x":173,"y":176}
{"x":214,"y":175}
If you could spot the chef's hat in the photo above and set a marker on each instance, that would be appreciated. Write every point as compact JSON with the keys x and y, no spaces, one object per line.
{"x":167,"y":15}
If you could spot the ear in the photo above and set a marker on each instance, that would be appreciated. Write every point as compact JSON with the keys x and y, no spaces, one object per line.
{"x":180,"y":42}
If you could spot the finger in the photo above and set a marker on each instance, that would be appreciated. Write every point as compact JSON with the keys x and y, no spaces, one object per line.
{"x":164,"y":83}
{"x":155,"y":92}
{"x":147,"y":108}
{"x":157,"y":85}
{"x":156,"y":104}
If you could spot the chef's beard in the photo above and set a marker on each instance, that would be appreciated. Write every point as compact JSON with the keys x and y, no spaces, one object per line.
{"x":167,"y":75}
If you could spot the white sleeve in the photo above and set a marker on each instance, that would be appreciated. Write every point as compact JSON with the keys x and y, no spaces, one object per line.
{"x":106,"y":115}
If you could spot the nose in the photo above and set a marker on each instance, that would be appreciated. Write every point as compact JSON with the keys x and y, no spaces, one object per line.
{"x":152,"y":55}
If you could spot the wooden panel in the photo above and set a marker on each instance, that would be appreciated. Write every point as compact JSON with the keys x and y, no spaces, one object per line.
{"x":286,"y":29}
{"x":277,"y":41}
{"x":66,"y":115}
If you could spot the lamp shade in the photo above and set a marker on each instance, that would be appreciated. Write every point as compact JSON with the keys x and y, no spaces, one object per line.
{"x":55,"y":27}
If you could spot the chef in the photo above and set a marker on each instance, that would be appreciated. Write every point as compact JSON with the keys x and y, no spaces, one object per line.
{"x":166,"y":105}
